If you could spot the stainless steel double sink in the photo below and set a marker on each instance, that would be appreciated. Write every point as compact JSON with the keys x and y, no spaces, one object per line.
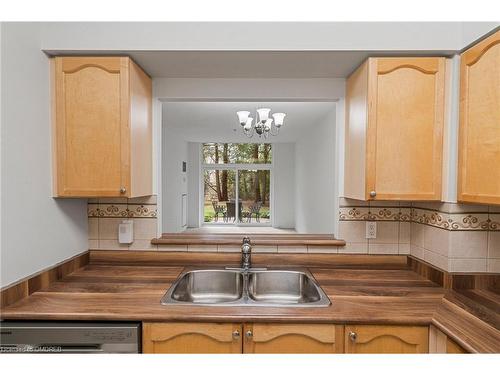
{"x":253,"y":287}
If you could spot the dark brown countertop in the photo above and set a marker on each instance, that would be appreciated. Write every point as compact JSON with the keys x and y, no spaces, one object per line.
{"x":384,"y":293}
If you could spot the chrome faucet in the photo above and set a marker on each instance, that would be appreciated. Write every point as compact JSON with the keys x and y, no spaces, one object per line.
{"x":246,"y":254}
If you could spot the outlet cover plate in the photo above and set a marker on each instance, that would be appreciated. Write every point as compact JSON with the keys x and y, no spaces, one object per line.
{"x":371,"y":229}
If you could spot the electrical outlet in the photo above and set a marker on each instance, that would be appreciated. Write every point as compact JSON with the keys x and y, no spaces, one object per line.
{"x":371,"y":229}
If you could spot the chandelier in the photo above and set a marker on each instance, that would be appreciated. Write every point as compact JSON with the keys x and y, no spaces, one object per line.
{"x":264,"y":125}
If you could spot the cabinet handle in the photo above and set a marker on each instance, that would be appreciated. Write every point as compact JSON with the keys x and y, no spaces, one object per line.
{"x":123,"y":190}
{"x":353,"y":336}
{"x":373,"y":193}
{"x":249,"y":334}
{"x":236,"y":334}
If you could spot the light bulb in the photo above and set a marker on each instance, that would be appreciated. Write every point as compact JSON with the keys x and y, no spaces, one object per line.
{"x":278,"y":119}
{"x":263,"y":114}
{"x":248,"y":124}
{"x":243,"y":117}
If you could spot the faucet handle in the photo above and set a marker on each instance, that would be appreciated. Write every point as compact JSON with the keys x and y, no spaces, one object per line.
{"x":246,"y":239}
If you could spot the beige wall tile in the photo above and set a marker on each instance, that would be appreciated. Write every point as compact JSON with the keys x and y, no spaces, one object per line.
{"x":352,"y":231}
{"x":203,"y":248}
{"x":108,"y":228}
{"x":465,"y":207}
{"x":93,"y":244}
{"x":264,"y":249}
{"x":92,"y":210}
{"x":387,"y":233}
{"x":93,"y":228}
{"x":292,"y":249}
{"x":348,"y":202}
{"x":384,"y":203}
{"x":468,"y":265}
{"x":417,"y":251}
{"x":404,"y":248}
{"x":143,"y":200}
{"x":436,"y":240}
{"x":111,"y":200}
{"x":468,"y":244}
{"x":354,"y":248}
{"x":181,"y":248}
{"x":494,"y":265}
{"x":494,"y":244}
{"x":404,"y":232}
{"x":142,"y":245}
{"x":145,"y":229}
{"x":417,"y":234}
{"x":323,"y":249}
{"x":112,"y":245}
{"x":382,"y":248}
{"x":436,"y":259}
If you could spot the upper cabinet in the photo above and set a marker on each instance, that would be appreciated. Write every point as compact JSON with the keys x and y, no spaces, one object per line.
{"x":102,"y":136}
{"x":479,"y":137}
{"x":394,"y":129}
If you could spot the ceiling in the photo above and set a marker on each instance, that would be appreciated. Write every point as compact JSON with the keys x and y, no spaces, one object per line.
{"x":217,"y":121}
{"x":255,"y":64}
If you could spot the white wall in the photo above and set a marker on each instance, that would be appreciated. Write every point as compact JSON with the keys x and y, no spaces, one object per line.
{"x":37,"y":230}
{"x":315,"y":185}
{"x":278,"y":36}
{"x":175,"y":182}
{"x":193,"y":171}
{"x":283,"y":176}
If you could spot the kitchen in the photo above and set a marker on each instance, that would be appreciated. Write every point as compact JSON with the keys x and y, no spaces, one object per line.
{"x":386,"y":239}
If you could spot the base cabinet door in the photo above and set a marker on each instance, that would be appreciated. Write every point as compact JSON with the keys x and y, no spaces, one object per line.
{"x":293,"y":338}
{"x":439,"y":343}
{"x":386,"y":339}
{"x":193,"y":338}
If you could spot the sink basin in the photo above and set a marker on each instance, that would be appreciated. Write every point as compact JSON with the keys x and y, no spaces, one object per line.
{"x":209,"y":287}
{"x":283,"y":287}
{"x":235,"y":287}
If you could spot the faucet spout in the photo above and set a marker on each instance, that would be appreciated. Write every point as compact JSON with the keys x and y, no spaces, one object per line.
{"x":246,"y":254}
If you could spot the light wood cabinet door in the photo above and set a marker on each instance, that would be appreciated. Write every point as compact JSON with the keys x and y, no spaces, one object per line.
{"x":293,"y":338}
{"x":102,"y":127}
{"x":193,"y":338}
{"x":394,"y":134}
{"x":386,"y":339}
{"x":440,"y":343}
{"x":479,"y":136}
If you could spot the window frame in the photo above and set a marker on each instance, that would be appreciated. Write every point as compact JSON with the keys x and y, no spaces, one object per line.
{"x":235,"y":167}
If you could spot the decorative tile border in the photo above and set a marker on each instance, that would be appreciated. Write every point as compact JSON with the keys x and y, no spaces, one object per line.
{"x":463,"y":221}
{"x":122,"y":211}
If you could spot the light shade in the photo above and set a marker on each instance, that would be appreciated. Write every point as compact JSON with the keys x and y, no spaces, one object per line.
{"x":268,"y":124}
{"x":279,"y":118}
{"x":243,"y":116}
{"x":263,"y":114}
{"x":248,"y":123}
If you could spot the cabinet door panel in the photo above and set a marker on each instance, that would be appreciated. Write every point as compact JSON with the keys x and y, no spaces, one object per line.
{"x":479,"y":151}
{"x":405,"y":128}
{"x":386,"y":339}
{"x":293,"y":338}
{"x":191,"y":338}
{"x":90,"y":118}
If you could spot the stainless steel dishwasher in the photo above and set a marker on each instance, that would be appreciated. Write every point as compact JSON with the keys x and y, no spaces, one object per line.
{"x":67,"y":337}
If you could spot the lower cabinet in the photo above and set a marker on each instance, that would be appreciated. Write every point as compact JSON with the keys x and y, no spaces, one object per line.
{"x":282,"y":338}
{"x":386,"y":339}
{"x":439,"y":343}
{"x":241,"y":338}
{"x":191,"y":338}
{"x":293,"y":338}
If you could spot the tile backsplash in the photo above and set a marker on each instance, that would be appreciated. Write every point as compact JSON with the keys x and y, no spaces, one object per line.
{"x":453,"y":237}
{"x":105,"y":214}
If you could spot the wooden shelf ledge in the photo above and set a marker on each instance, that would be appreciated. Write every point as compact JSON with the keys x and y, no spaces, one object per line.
{"x":256,"y":239}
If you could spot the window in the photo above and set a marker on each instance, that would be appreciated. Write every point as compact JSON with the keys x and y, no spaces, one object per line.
{"x":237,"y":183}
